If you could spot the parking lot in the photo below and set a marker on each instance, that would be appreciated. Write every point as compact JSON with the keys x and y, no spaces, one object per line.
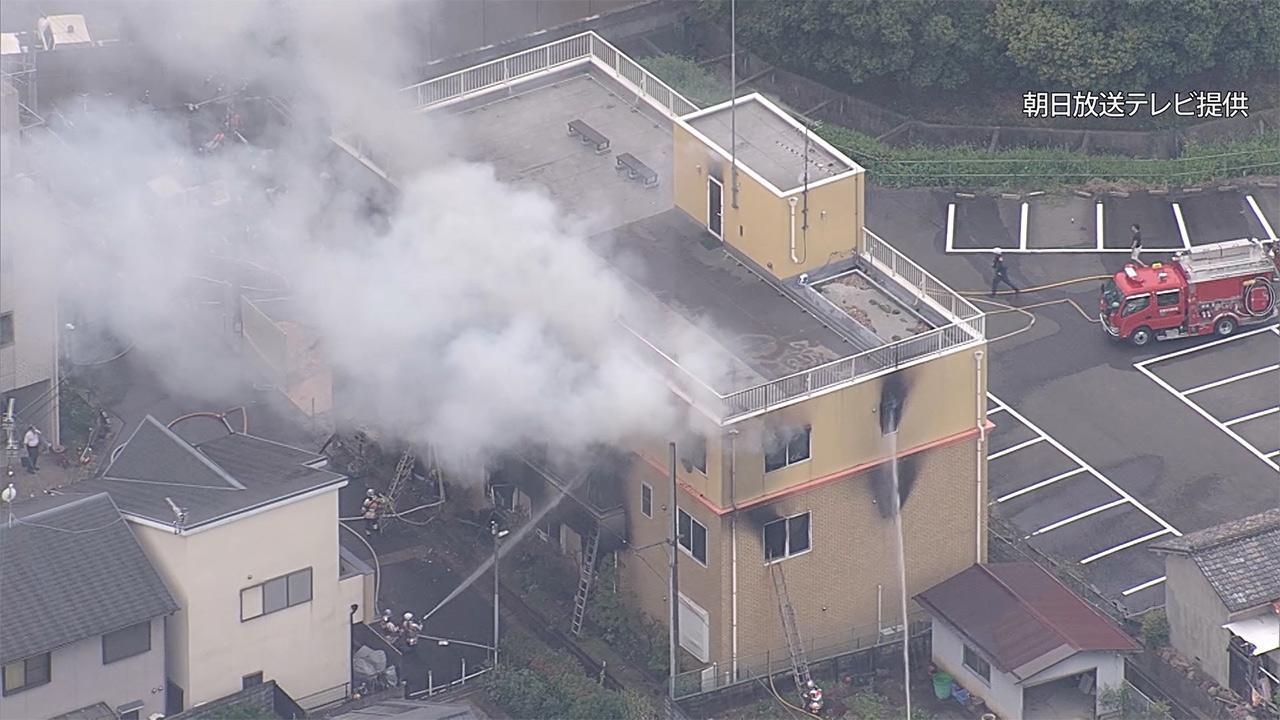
{"x":1068,"y":509}
{"x":1047,"y":223}
{"x":1233,"y":383}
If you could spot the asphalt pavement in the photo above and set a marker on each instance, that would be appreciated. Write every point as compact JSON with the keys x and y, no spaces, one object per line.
{"x":1141,"y":463}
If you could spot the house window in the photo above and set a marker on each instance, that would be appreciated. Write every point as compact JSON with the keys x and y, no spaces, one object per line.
{"x":275,"y":594}
{"x":693,"y":536}
{"x":787,"y":537}
{"x":26,"y":674}
{"x":779,"y":453}
{"x":976,"y":664}
{"x":249,"y":681}
{"x":6,"y":329}
{"x":126,"y":643}
{"x":646,"y":500}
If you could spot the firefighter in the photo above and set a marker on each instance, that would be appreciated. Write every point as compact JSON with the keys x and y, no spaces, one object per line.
{"x":411,"y":628}
{"x":1135,"y":244}
{"x":374,"y":506}
{"x":389,"y":627}
{"x":813,"y":698}
{"x":1000,"y":274}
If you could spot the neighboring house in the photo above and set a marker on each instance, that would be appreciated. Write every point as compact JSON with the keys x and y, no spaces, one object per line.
{"x":1222,"y":598}
{"x":245,"y":532}
{"x":780,"y":324}
{"x":82,"y":613}
{"x":1015,"y":636}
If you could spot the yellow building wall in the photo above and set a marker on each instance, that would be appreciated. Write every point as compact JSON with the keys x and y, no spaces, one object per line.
{"x":760,"y":227}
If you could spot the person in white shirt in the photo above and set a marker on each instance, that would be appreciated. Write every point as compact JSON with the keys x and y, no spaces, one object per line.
{"x":31,"y":440}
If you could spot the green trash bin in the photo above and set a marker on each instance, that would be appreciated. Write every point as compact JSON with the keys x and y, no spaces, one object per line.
{"x":942,"y":685}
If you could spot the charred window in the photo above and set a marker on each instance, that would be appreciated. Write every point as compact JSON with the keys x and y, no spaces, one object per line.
{"x":693,"y":536}
{"x":786,"y":449}
{"x":698,"y":454}
{"x":6,"y":329}
{"x":646,"y":500}
{"x":787,"y":537}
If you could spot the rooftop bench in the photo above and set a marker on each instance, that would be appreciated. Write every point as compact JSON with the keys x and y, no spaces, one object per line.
{"x":588,"y":135}
{"x":636,"y":169}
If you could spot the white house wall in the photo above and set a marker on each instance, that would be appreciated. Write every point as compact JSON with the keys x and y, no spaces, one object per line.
{"x":1002,"y":695}
{"x":1196,"y":616}
{"x":77,"y":679}
{"x":305,"y":649}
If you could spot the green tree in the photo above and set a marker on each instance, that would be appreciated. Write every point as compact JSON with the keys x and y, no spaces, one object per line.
{"x":918,"y":43}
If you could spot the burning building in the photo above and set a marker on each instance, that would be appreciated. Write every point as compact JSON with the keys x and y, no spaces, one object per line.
{"x":784,"y":328}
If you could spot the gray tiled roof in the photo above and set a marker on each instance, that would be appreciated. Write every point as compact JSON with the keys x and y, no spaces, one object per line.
{"x":1240,"y":559}
{"x":71,"y":569}
{"x":209,"y":480}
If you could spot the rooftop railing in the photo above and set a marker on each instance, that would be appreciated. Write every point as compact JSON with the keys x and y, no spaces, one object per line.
{"x":583,"y":48}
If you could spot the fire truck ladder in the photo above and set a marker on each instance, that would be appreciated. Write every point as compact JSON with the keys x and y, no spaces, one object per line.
{"x":590,"y":549}
{"x":799,"y":664}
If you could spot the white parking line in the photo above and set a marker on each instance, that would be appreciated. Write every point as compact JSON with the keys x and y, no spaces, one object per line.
{"x":1205,"y":414}
{"x":1015,"y":448}
{"x":1225,"y":381}
{"x":951,"y":226}
{"x":1182,"y":226}
{"x":993,"y":411}
{"x":1206,"y":346}
{"x":1078,"y":516}
{"x":1251,"y":416}
{"x":1122,"y":546}
{"x":1098,"y":224}
{"x":1143,"y":586}
{"x":1271,"y":234}
{"x":1022,"y":228}
{"x":1273,"y":453}
{"x":1042,"y":483}
{"x":1077,"y":460}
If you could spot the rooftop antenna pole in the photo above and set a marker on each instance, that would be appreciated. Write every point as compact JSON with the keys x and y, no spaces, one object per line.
{"x":733,"y":100}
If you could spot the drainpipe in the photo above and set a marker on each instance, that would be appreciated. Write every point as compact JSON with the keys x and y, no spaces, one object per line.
{"x":981,"y":455}
{"x":733,"y":539}
{"x":792,"y":202}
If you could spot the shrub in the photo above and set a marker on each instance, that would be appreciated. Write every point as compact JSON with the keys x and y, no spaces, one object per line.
{"x":624,"y":627}
{"x":536,"y":681}
{"x":688,"y":78}
{"x":1155,"y":628}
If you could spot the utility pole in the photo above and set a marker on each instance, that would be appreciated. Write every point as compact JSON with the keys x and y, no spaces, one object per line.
{"x":673,"y":532}
{"x":497,"y":536}
{"x":733,"y":101}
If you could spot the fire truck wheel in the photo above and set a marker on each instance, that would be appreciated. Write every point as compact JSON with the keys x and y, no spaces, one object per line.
{"x":1141,"y":336}
{"x":1225,"y":326}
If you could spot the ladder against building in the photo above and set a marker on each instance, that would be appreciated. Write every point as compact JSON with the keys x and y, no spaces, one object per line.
{"x":587,"y":574}
{"x":795,"y":646}
{"x":400,"y":479}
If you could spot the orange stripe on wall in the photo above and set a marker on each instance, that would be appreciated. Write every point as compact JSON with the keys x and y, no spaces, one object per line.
{"x":840,"y":475}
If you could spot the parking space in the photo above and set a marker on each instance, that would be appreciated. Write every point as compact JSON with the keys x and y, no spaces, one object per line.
{"x":1066,"y":508}
{"x":1240,"y":396}
{"x":1043,"y":223}
{"x":1061,"y":221}
{"x":1213,"y":216}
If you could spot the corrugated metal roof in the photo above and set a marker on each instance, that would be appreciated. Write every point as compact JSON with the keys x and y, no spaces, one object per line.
{"x":1017,"y":614}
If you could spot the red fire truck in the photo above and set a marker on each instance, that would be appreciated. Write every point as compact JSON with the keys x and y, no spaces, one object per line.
{"x":1207,"y":289}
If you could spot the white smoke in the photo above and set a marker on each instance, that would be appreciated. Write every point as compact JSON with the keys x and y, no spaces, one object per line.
{"x":476,"y":318}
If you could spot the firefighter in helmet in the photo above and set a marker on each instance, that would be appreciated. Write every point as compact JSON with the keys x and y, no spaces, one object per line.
{"x":813,"y":697}
{"x":411,"y":629}
{"x":372,"y":509}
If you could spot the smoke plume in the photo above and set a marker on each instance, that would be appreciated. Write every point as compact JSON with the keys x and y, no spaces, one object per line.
{"x":457,"y":311}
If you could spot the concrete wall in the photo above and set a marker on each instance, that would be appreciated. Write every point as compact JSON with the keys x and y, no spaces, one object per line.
{"x":761,"y":225}
{"x":26,"y":292}
{"x":78,"y":678}
{"x":1002,"y":695}
{"x":833,"y":587}
{"x":305,"y":649}
{"x":1196,"y":617}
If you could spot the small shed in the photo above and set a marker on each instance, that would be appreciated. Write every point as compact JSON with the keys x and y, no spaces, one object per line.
{"x":1015,"y":636}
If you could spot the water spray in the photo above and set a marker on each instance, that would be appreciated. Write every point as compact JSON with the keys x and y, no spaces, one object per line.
{"x":892,"y":399}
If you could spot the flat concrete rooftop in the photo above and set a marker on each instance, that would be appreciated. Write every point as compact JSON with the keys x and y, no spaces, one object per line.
{"x":755,"y":332}
{"x":768,"y":144}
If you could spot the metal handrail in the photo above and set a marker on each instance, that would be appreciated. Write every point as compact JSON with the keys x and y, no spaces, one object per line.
{"x":565,"y":52}
{"x":874,"y":247}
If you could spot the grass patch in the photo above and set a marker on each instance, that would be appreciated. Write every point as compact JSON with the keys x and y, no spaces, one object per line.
{"x":974,"y":167}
